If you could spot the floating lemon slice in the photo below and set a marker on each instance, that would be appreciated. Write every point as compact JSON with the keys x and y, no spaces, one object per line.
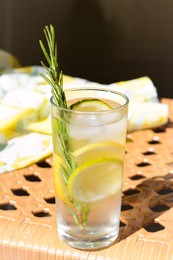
{"x":95,"y":180}
{"x":90,"y":105}
{"x":99,"y":150}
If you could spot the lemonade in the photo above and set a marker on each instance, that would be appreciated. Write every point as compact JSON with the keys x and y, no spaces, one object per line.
{"x":88,"y":166}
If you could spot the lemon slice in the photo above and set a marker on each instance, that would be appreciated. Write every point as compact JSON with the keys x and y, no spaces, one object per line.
{"x":98,"y":150}
{"x":95,"y":180}
{"x":90,"y":104}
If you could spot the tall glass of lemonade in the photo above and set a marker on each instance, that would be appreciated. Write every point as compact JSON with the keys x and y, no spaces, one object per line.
{"x":88,"y":165}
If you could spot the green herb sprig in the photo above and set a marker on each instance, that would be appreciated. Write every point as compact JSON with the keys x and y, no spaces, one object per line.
{"x":54,"y":78}
{"x":55,"y":75}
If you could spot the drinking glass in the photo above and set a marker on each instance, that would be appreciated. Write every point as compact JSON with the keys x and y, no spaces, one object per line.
{"x":88,"y":152}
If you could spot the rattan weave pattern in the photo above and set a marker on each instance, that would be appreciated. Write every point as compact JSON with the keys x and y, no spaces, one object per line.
{"x":27,"y":209}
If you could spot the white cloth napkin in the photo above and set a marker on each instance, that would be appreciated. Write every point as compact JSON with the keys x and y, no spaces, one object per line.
{"x":25,"y":131}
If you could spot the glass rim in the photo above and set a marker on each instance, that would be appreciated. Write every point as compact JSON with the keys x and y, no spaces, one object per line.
{"x":126,"y":99}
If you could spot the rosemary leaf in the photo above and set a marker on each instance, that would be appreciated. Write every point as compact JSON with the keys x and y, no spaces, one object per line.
{"x":54,"y":77}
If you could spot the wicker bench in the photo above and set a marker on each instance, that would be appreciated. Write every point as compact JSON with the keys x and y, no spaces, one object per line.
{"x":27,"y":206}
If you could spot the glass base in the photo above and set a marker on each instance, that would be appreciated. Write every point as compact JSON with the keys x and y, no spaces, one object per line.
{"x":89,"y":243}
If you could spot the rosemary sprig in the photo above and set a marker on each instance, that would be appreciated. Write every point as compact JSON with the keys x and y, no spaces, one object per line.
{"x":55,"y":75}
{"x":54,"y":78}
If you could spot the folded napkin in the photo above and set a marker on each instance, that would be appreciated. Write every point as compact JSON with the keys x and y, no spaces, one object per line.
{"x":25,"y":128}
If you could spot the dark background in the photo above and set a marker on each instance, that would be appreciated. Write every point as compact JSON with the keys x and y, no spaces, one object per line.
{"x":101,"y":40}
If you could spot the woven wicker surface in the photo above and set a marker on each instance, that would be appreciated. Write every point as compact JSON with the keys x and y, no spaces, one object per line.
{"x":27,"y":206}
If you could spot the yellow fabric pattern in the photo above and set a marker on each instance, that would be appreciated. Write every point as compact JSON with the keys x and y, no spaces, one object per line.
{"x":25,"y":124}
